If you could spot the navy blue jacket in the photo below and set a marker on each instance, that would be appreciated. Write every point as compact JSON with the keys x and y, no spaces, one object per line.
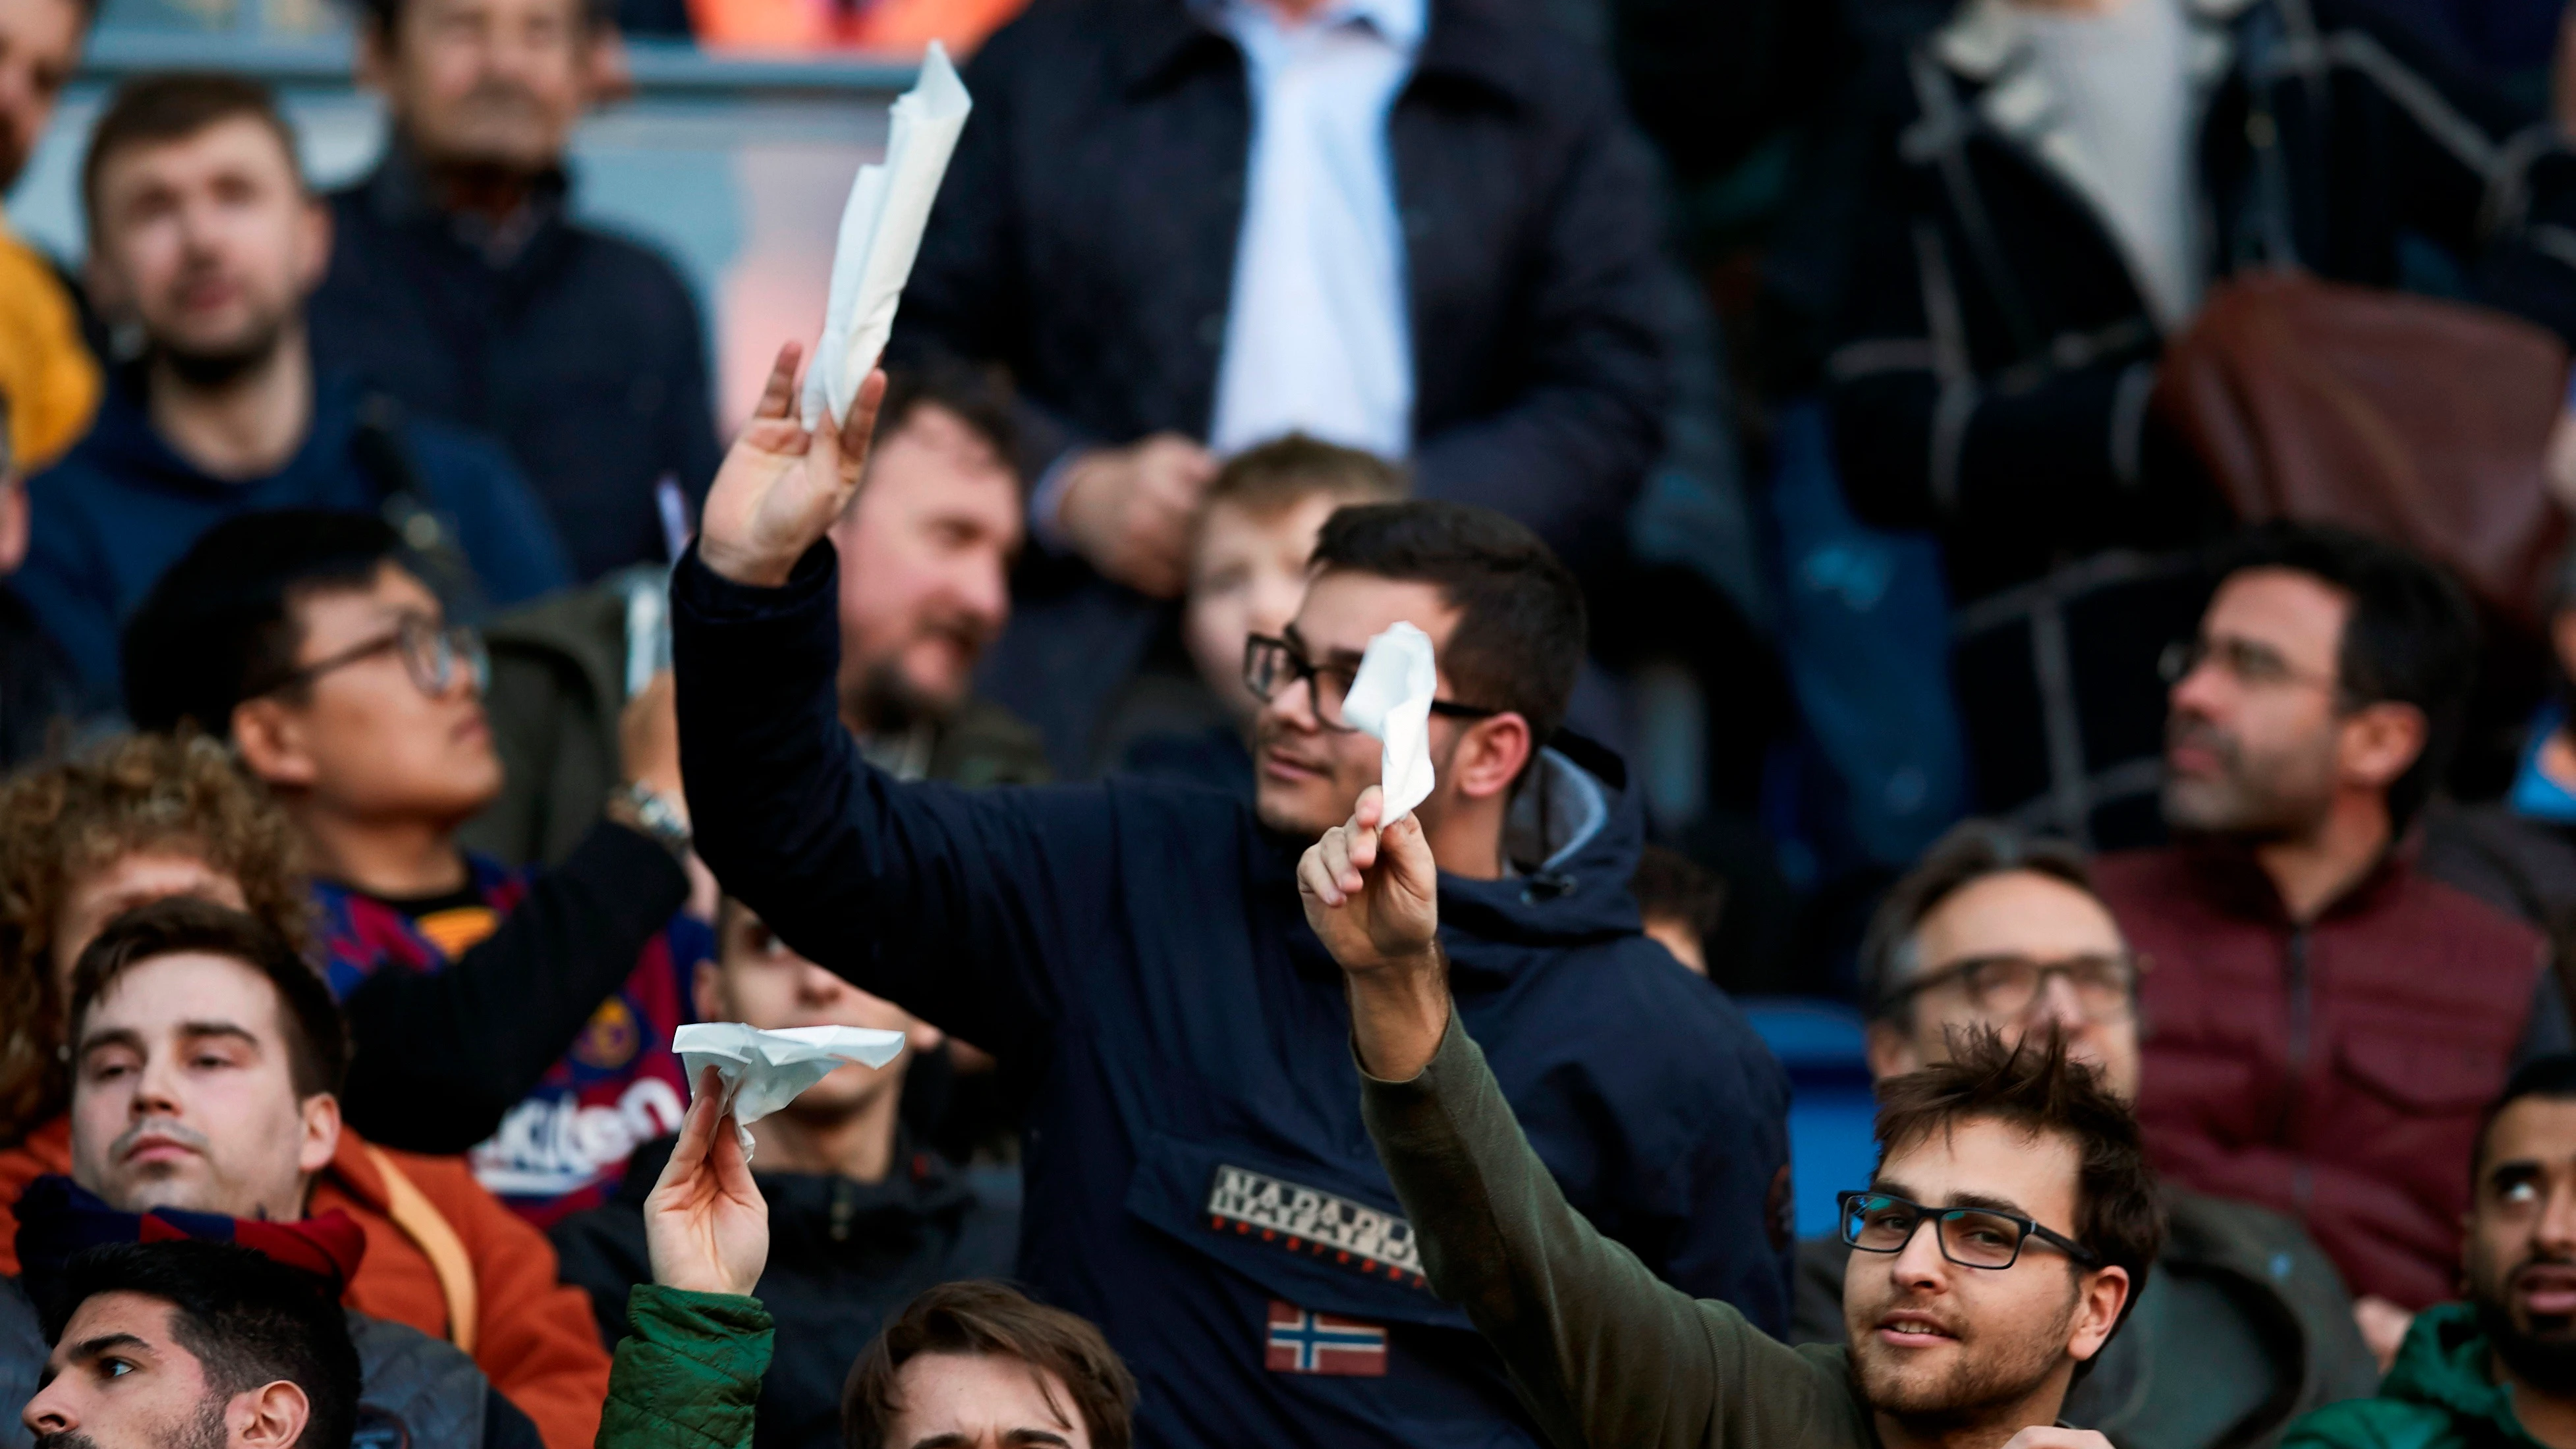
{"x":121,"y":507}
{"x":1197,"y":1167}
{"x":582,"y":353}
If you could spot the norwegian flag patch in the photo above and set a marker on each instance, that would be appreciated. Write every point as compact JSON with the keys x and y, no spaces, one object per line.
{"x":1299,"y":1342}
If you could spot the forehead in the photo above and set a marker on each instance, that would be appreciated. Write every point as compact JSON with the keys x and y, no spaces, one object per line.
{"x":2299,"y":614}
{"x":152,"y":998}
{"x":235,"y":145}
{"x":47,"y":26}
{"x":1240,"y":524}
{"x":433,"y":11}
{"x":2015,"y":913}
{"x":2534,"y":1129}
{"x":1343,"y":610}
{"x":935,"y":462}
{"x":1985,"y":1158}
{"x":330,"y":612}
{"x":167,"y":868}
{"x":148,"y":1319}
{"x":970,"y":1393}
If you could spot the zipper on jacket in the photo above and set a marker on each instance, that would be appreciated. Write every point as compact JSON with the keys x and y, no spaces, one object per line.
{"x":2302,"y":1012}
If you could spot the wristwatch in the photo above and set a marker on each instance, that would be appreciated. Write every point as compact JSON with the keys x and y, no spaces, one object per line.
{"x":657,"y":815}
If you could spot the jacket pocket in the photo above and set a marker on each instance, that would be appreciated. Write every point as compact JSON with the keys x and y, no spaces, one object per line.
{"x":2424,"y":1074}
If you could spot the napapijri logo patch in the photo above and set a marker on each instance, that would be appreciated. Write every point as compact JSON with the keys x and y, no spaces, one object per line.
{"x":1312,"y":1221}
{"x":1299,"y":1342}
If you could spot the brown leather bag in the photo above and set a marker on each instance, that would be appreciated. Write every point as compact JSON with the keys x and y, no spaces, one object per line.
{"x":2421,"y":421}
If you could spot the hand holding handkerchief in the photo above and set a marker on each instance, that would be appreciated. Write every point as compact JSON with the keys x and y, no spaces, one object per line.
{"x":1390,"y":700}
{"x":762,"y":1071}
{"x":881,"y":228}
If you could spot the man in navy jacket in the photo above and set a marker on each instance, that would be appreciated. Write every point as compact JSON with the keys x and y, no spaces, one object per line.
{"x":1199,"y":1182}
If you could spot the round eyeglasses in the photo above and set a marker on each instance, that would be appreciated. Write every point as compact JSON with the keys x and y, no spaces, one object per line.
{"x":433,"y":655}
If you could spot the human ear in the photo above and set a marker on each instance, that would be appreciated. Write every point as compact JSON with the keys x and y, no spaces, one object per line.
{"x":2104,"y":1293}
{"x":271,"y":1416}
{"x":321,"y":1133}
{"x":270,"y":740}
{"x":706,"y":992}
{"x":1891,"y":1050}
{"x":2382,"y":741}
{"x":1490,"y":755}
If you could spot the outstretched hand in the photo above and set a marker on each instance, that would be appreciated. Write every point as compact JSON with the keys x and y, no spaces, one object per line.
{"x":706,"y":1227}
{"x":1372,"y":893}
{"x":781,"y":487}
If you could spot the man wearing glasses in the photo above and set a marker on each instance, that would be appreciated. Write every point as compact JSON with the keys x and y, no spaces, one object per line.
{"x":2324,"y":1020}
{"x":525,"y":1017}
{"x":2244,"y":1324}
{"x":1199,"y":1182}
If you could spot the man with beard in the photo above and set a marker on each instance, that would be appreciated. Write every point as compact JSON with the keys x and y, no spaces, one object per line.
{"x":46,"y":370}
{"x":2324,"y":1020}
{"x":461,"y":285}
{"x":202,"y":235}
{"x":1999,"y":1245}
{"x":2500,"y":1368}
{"x":1200,"y":1184}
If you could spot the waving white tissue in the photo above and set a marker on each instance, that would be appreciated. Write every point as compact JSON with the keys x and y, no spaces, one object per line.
{"x":881,"y":231}
{"x":762,"y":1071}
{"x":1390,"y":699}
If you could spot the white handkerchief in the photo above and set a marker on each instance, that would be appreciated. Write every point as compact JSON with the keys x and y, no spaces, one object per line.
{"x":1390,"y":699}
{"x":881,"y":231}
{"x":763,"y":1071}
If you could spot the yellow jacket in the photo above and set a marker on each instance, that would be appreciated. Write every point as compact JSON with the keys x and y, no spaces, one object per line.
{"x":49,"y":379}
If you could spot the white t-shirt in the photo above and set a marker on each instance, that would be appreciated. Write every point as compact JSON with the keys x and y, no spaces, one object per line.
{"x":2123,"y":84}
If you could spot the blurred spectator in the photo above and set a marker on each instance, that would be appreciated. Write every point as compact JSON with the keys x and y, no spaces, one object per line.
{"x":202,"y":234}
{"x":2244,"y":1324}
{"x":198,"y":1345}
{"x":46,"y":370}
{"x":2325,"y":1021}
{"x":1439,"y":243}
{"x":461,"y":285}
{"x":1247,"y":570}
{"x":925,"y":562}
{"x":261,"y":1140}
{"x":978,"y":1363}
{"x":2049,"y":191}
{"x":861,"y":1218}
{"x":38,"y":691}
{"x":902,"y":26}
{"x":2499,"y":1367}
{"x":531,"y":1015}
{"x":1680,"y":904}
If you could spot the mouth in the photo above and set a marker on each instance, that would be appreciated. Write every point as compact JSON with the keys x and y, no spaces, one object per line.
{"x":158,"y":1149}
{"x":2549,"y":1292}
{"x":1282,"y":766}
{"x":1913,"y":1330}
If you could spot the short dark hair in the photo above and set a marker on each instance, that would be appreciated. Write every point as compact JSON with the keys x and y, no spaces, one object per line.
{"x":1671,"y":886}
{"x":981,"y":1318}
{"x":383,"y":18}
{"x":2035,"y":1087}
{"x":158,"y":110}
{"x":976,"y":394}
{"x":2549,"y":1079}
{"x":221,"y":624}
{"x":1521,"y":627}
{"x":317,"y":1040}
{"x":248,"y":1319}
{"x":1967,"y":853}
{"x":1294,"y":468}
{"x":2411,"y":638}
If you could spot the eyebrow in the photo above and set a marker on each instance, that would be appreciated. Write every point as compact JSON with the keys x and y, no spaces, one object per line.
{"x":1979,"y":1200}
{"x":189,"y":1030}
{"x":1015,"y":1436}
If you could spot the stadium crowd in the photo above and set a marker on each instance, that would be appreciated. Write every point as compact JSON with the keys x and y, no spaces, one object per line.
{"x":413,"y":715}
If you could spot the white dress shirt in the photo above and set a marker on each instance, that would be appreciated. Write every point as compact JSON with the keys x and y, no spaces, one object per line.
{"x":1317,"y":336}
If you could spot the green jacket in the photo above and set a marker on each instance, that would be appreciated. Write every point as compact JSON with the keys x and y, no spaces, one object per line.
{"x":2440,"y":1395}
{"x":688,"y":1376}
{"x":1602,"y":1351}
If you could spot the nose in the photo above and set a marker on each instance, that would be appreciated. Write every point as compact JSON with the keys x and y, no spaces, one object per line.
{"x":49,"y":1412}
{"x":2057,"y":1005}
{"x":155,"y":1089}
{"x":1919,"y":1263}
{"x":985,"y":591}
{"x":816,"y":986}
{"x":1293,"y":705}
{"x":2200,"y":692}
{"x":2556,"y":1230}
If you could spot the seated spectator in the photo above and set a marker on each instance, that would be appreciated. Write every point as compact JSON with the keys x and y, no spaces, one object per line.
{"x":190,"y":1345}
{"x":460,"y":283}
{"x":261,"y":1139}
{"x":2244,"y":1325}
{"x":2323,"y":1020}
{"x":861,"y":1218}
{"x":46,"y":369}
{"x":1441,"y":243}
{"x":38,"y":691}
{"x":1680,"y":904}
{"x":2518,"y":854}
{"x":532,"y":1016}
{"x":1247,"y":570}
{"x":1205,"y":1189}
{"x":202,"y":234}
{"x":2500,"y":1366}
{"x":968,"y":1364}
{"x":2025,"y":1167}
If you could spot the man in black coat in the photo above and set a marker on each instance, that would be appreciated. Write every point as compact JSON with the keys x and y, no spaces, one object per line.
{"x":1144,"y":189}
{"x":460,"y":285}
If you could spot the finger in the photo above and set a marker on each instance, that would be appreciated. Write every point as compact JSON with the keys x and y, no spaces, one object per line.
{"x":1370,"y":809}
{"x":733,"y":1170}
{"x":1336,"y":850}
{"x":780,"y":391}
{"x":1315,"y":879}
{"x":859,"y":429}
{"x":1363,"y":849}
{"x":697,"y":1129}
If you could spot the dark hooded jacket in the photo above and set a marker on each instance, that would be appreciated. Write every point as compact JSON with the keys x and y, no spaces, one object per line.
{"x":1199,"y":1182}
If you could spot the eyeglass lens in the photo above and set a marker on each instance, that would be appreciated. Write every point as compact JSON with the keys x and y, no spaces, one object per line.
{"x":2009,"y":985}
{"x":1271,"y":665}
{"x":1968,"y":1237}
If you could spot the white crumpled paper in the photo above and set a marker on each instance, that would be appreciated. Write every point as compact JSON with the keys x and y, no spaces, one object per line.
{"x":762,"y":1071}
{"x":1390,"y":699}
{"x":880,"y":233}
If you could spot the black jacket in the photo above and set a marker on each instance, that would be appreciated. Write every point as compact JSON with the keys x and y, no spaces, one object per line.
{"x":843,"y":1257}
{"x":1086,"y":234}
{"x":1996,"y":356}
{"x":39,"y":693}
{"x":582,"y":353}
{"x":1135,"y":952}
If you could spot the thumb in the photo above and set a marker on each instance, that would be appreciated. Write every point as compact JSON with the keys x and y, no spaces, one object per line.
{"x":1405,"y":853}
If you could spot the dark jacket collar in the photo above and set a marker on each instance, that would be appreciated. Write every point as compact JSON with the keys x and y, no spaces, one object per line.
{"x":2230,"y":877}
{"x":1481,"y":43}
{"x":397,"y":194}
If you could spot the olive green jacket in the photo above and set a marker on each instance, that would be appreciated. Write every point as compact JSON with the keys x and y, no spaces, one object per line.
{"x":688,"y":1376}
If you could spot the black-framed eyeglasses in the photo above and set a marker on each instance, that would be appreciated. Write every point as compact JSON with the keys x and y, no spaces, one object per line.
{"x":1271,"y":665}
{"x":2105,"y":984}
{"x":2256,"y":666}
{"x":432,"y":654}
{"x":1875,"y":1222}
